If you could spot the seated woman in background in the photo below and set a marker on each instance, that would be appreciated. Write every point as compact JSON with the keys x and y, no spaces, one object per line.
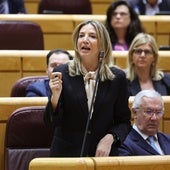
{"x":123,"y":24}
{"x":142,"y":72}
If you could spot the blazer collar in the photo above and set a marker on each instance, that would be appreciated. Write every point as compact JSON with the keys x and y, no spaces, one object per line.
{"x":134,"y":87}
{"x":142,"y":143}
{"x":79,"y":87}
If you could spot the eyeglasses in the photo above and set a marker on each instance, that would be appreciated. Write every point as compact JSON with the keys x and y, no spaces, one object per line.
{"x":122,"y":14}
{"x":150,"y":112}
{"x":139,"y":51}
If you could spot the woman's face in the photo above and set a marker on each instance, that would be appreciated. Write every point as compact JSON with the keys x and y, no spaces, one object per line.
{"x":88,"y":43}
{"x":121,"y":17}
{"x":143,"y":56}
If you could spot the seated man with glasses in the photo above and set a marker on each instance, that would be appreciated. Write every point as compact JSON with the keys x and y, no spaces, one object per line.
{"x":142,"y":72}
{"x":145,"y":138}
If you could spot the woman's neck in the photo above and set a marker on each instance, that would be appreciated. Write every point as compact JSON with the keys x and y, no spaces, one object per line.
{"x":89,"y":66}
{"x":145,"y":80}
{"x":143,"y":75}
{"x":121,"y":34}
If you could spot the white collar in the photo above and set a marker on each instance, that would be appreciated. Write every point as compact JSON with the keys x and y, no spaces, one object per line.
{"x":142,"y":134}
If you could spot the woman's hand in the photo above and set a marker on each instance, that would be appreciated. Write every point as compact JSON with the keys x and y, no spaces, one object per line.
{"x":104,"y":145}
{"x":55,"y":84}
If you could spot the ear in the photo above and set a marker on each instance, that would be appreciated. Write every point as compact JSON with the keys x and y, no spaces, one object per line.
{"x":134,"y":112}
{"x":47,"y":69}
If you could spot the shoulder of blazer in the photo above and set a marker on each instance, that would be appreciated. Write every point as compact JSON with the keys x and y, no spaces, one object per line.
{"x":166,"y":80}
{"x":117,"y":71}
{"x":163,"y":135}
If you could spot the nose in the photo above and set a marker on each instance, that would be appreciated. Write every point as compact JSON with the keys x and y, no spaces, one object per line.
{"x":86,"y":38}
{"x":154,"y":116}
{"x":143,"y":54}
{"x":118,"y":15}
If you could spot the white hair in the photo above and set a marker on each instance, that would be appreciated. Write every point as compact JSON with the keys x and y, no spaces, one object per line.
{"x":146,"y":93}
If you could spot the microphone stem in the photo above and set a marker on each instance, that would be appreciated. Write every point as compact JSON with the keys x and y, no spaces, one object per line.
{"x":91,"y":106}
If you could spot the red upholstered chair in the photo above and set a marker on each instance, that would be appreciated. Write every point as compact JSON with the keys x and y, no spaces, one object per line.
{"x":26,"y":137}
{"x":19,"y":88}
{"x":21,"y":35}
{"x":65,"y":7}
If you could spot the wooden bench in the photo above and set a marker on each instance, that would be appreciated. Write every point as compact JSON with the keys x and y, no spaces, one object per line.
{"x":16,"y":64}
{"x":98,"y":6}
{"x":102,"y":163}
{"x":58,"y":29}
{"x":9,"y":104}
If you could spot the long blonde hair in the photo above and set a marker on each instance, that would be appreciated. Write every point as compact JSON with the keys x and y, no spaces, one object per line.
{"x":104,"y":45}
{"x":140,"y":39}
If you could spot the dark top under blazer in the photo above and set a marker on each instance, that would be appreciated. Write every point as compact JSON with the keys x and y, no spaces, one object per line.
{"x":134,"y":144}
{"x":38,"y":89}
{"x":16,"y":6}
{"x":111,"y":114}
{"x":164,"y":6}
{"x":162,"y":86}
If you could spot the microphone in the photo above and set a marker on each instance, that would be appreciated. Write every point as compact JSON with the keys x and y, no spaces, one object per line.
{"x":100,"y":57}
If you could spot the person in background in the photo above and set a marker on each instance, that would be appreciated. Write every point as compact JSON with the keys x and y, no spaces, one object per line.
{"x":145,"y":137}
{"x":123,"y":24}
{"x":142,"y":72}
{"x":54,"y":58}
{"x":150,"y":7}
{"x":72,"y":87}
{"x":12,"y":7}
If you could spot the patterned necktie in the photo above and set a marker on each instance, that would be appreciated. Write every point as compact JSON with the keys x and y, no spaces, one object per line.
{"x":151,"y":140}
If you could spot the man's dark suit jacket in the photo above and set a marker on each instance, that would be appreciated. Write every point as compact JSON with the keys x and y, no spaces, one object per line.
{"x":164,"y":6}
{"x":134,"y":144}
{"x":38,"y":89}
{"x":162,"y":86}
{"x":16,"y":6}
{"x":111,"y":114}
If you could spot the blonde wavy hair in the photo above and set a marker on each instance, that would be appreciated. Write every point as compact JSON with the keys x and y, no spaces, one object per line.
{"x":75,"y":67}
{"x":140,"y":39}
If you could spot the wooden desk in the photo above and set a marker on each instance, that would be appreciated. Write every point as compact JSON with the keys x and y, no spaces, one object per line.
{"x":132,"y":162}
{"x":85,"y":163}
{"x":102,"y":163}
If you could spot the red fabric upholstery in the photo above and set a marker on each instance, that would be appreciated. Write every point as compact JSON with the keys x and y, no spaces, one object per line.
{"x":19,"y":88}
{"x":26,"y":137}
{"x":65,"y":7}
{"x":21,"y":35}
